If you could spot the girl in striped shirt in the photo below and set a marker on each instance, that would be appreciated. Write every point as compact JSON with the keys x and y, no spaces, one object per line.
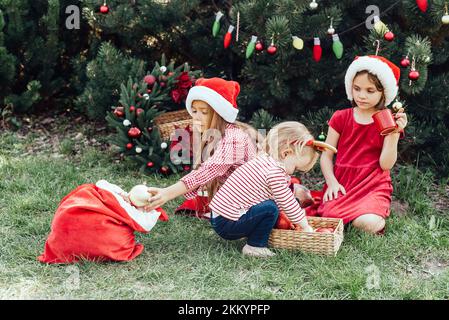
{"x":248,"y":204}
{"x":212,"y":103}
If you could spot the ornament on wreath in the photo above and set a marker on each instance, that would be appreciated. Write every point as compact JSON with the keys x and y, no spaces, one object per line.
{"x":150,"y":164}
{"x":259,"y":46}
{"x":405,"y":62}
{"x":389,"y":36}
{"x":164,"y":170}
{"x":163,"y":69}
{"x":126,"y":122}
{"x":413,"y":74}
{"x":251,"y":46}
{"x":129,"y":146}
{"x":139,"y":150}
{"x":149,"y":79}
{"x":272,"y":49}
{"x":337,"y":46}
{"x":139,"y":111}
{"x":331,"y":29}
{"x":132,"y":108}
{"x":322,"y":137}
{"x":134,"y":133}
{"x":119,"y":112}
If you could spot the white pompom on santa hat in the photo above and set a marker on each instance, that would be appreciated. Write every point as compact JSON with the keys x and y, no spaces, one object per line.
{"x":385,"y":70}
{"x":220,"y":94}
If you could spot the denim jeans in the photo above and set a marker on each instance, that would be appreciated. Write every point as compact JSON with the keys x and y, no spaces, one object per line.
{"x":256,"y":224}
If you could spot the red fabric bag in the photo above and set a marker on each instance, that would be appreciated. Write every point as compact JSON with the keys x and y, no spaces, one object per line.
{"x":91,"y":224}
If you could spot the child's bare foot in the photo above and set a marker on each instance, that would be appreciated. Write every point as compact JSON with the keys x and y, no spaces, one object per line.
{"x":260,"y":252}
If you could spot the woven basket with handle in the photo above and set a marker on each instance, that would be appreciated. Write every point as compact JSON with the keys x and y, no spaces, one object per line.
{"x":169,"y":121}
{"x":314,"y":242}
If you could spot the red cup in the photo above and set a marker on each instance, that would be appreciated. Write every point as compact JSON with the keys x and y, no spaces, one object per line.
{"x":384,"y":121}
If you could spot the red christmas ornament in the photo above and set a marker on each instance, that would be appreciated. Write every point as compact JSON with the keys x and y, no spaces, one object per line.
{"x":389,"y":36}
{"x":149,"y":79}
{"x":405,"y":62}
{"x":129,"y":146}
{"x":149,"y":90}
{"x":413,"y":75}
{"x":317,"y":50}
{"x":139,"y":111}
{"x":186,"y":168}
{"x":422,"y":5}
{"x":150,"y":164}
{"x":150,"y":129}
{"x":104,"y":8}
{"x":134,"y":133}
{"x":162,"y":84}
{"x":119,"y":112}
{"x":259,"y":46}
{"x":164,"y":170}
{"x":132,"y":108}
{"x":272,"y":49}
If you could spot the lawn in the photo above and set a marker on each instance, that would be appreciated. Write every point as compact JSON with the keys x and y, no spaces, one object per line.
{"x":185,"y":259}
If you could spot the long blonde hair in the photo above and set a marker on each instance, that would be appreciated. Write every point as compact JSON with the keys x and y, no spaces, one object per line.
{"x":290,"y":135}
{"x":216,"y":122}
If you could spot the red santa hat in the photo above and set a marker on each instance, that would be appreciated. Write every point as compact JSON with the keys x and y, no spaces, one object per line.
{"x":385,"y":70}
{"x":220,"y":94}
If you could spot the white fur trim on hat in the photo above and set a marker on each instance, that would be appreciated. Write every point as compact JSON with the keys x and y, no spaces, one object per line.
{"x":378,"y":68}
{"x":222,"y":106}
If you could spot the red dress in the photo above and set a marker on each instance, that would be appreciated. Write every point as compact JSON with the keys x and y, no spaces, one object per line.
{"x":357,"y":169}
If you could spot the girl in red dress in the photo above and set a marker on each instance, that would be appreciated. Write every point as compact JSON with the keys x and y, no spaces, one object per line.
{"x":358,"y":186}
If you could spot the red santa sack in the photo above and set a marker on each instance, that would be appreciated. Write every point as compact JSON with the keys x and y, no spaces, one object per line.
{"x":91,"y":224}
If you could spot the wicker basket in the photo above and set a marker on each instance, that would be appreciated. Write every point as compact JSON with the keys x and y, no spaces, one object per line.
{"x":314,"y":242}
{"x":167,"y":122}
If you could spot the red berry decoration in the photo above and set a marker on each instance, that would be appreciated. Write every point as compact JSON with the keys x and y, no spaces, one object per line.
{"x":129,"y":146}
{"x":149,"y":90}
{"x":134,"y":133}
{"x":149,"y":79}
{"x":259,"y":46}
{"x":119,"y":112}
{"x":139,"y":111}
{"x":186,"y":168}
{"x":413,"y":75}
{"x":104,"y":9}
{"x":389,"y":36}
{"x":405,"y":62}
{"x":162,"y":84}
{"x":132,"y":108}
{"x":164,"y":170}
{"x":272,"y":49}
{"x":150,"y":164}
{"x":150,"y":129}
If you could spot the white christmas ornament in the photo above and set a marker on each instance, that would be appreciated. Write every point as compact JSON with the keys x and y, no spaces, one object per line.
{"x":163,"y":69}
{"x":445,"y":19}
{"x":138,"y":149}
{"x":146,"y":96}
{"x":164,"y":145}
{"x":313,"y":5}
{"x":126,"y":122}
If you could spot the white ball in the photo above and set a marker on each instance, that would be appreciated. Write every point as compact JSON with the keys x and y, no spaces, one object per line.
{"x":163,"y":69}
{"x":126,"y":122}
{"x":138,"y":149}
{"x":313,"y":5}
{"x":139,"y":195}
{"x":331,"y":31}
{"x":445,"y":19}
{"x":164,"y":145}
{"x":146,"y":96}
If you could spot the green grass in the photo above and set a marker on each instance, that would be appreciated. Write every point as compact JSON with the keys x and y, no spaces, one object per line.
{"x":185,"y":259}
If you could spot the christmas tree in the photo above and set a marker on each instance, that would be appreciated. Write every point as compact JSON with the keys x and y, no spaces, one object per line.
{"x":141,"y":102}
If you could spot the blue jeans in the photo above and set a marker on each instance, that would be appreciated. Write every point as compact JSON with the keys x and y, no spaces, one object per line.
{"x":256,"y":224}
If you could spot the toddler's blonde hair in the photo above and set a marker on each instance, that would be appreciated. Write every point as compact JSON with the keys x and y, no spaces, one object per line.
{"x":290,"y":135}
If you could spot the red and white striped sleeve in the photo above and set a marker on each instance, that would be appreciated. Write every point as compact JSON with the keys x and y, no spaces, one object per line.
{"x":216,"y":166}
{"x":278,"y":183}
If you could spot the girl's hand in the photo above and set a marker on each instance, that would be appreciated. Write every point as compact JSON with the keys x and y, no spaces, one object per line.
{"x":401,"y":120}
{"x":332,"y":191}
{"x":158,"y":198}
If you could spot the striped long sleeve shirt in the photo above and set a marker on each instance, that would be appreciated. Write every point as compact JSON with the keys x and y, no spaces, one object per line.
{"x":262,"y":178}
{"x":234,"y":149}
